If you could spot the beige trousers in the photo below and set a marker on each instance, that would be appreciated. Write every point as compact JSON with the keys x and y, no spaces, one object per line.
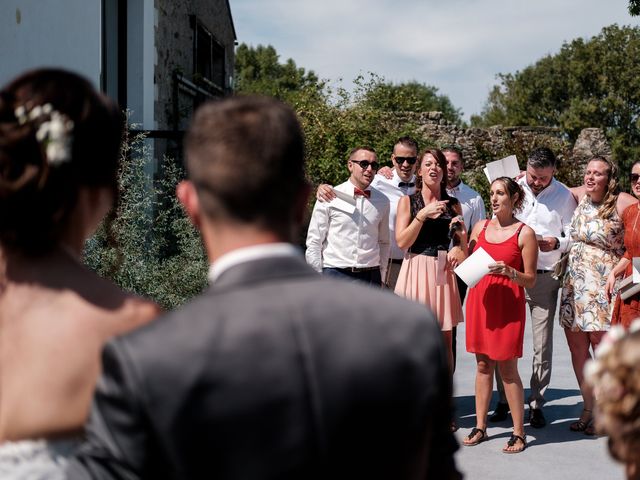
{"x":542,"y":300}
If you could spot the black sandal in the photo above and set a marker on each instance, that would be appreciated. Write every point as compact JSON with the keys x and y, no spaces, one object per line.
{"x":475,"y":431}
{"x":582,"y":425}
{"x":512,"y":441}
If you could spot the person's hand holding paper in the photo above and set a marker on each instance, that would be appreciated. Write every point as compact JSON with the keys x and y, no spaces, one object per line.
{"x":475,"y":267}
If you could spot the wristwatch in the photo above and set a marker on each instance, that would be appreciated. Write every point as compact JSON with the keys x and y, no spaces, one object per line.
{"x":557,"y":247}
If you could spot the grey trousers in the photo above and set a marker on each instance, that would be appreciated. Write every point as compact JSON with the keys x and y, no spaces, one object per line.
{"x":542,"y":300}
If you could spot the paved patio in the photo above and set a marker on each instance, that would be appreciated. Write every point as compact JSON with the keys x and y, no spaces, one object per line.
{"x":553,"y":452}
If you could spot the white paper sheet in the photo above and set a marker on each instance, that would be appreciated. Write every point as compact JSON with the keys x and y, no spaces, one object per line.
{"x":636,"y":269}
{"x":343,"y":202}
{"x":505,"y":167}
{"x":474,"y":267}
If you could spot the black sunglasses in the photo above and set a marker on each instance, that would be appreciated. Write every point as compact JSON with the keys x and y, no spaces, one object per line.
{"x":409,"y":160}
{"x":364,"y":164}
{"x":634,"y":177}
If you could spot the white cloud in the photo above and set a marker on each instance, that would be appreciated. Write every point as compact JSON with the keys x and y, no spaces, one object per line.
{"x":458,"y":45}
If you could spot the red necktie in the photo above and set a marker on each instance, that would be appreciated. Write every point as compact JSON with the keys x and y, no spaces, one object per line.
{"x":365,"y":193}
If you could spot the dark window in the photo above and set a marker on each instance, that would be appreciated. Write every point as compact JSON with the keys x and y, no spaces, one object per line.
{"x":208,"y":59}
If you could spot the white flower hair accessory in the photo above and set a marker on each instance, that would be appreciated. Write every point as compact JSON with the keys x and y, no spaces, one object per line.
{"x":54,"y":134}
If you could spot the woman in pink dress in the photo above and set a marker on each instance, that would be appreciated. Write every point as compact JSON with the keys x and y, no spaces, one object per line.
{"x":423,"y":225}
{"x":496,"y":308}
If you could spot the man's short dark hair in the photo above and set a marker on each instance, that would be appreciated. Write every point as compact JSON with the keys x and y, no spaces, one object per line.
{"x":245,"y":156}
{"x":452,"y":147}
{"x":542,"y":157}
{"x":366,"y":148}
{"x":408,"y":142}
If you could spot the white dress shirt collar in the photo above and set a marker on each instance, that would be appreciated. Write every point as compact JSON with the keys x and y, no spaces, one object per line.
{"x":247,"y":254}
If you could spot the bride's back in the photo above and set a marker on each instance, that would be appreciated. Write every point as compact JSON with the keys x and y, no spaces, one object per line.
{"x":59,"y":148}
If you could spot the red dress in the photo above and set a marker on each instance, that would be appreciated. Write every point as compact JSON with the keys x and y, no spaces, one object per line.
{"x":496,"y":305}
{"x":626,"y":311}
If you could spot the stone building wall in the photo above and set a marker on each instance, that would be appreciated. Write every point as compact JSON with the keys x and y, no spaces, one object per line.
{"x":174,"y":51}
{"x":481,"y":145}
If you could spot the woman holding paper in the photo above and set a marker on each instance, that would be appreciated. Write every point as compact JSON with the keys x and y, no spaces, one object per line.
{"x":597,"y":233}
{"x":496,"y":308}
{"x":625,"y":311}
{"x":425,"y":224}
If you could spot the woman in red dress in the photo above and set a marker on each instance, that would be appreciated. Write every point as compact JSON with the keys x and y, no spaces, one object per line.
{"x":626,"y":311}
{"x":496,"y":308}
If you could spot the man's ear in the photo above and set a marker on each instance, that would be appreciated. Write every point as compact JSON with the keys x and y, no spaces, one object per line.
{"x":188,"y":198}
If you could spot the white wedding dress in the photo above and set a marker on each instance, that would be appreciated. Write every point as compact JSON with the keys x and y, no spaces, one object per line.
{"x":36,"y":459}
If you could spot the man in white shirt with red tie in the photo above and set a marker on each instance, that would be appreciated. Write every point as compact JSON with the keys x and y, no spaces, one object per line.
{"x":348,"y":237}
{"x":396,"y":183}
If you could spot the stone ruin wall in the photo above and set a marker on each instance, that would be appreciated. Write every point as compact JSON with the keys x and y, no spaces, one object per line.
{"x":481,"y":145}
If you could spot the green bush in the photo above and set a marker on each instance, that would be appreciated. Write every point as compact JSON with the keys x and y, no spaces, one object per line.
{"x":148,"y":246}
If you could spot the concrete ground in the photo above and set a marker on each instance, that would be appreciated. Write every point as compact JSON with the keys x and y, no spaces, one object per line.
{"x":553,"y":452}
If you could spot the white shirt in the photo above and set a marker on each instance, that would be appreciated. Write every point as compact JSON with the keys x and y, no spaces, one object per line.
{"x":340,"y":240}
{"x":389,"y":187}
{"x":247,"y":254}
{"x":472,"y":204}
{"x":549,"y":214}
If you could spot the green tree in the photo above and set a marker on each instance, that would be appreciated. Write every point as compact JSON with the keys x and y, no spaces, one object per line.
{"x":148,"y":246}
{"x":588,"y":83}
{"x":258,"y":71}
{"x":410,"y":97}
{"x":634,"y":8}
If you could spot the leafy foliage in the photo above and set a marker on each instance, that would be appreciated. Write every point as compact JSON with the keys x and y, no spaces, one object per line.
{"x":335,"y":119}
{"x":148,"y":246}
{"x":588,"y":83}
{"x":257,"y":70}
{"x":410,"y":97}
{"x":634,"y":8}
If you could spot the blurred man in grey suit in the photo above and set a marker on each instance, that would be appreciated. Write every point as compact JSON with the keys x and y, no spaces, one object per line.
{"x":274,"y":372}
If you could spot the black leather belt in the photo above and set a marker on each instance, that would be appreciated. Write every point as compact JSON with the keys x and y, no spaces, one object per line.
{"x":397,"y":261}
{"x":357,"y":269}
{"x":542,"y":271}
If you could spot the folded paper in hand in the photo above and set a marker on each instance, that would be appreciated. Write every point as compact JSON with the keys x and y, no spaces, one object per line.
{"x":474,"y":267}
{"x":628,"y":288}
{"x":505,"y":167}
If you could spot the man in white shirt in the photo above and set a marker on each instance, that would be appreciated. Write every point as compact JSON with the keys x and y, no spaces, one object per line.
{"x":472,"y":210}
{"x":349,"y":236}
{"x":400,"y":182}
{"x":548,"y":209}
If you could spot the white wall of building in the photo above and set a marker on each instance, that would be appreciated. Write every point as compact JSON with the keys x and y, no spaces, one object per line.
{"x":57,"y":33}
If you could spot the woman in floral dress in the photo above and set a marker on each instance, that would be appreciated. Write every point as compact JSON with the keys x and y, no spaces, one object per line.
{"x":597,"y":233}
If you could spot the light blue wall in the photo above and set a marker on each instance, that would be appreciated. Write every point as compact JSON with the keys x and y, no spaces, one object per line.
{"x":60,"y":33}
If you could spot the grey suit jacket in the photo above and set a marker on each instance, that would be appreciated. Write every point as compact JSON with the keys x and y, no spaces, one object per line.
{"x":275,"y":373}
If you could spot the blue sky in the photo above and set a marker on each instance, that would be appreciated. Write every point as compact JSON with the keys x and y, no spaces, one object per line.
{"x":457,"y":45}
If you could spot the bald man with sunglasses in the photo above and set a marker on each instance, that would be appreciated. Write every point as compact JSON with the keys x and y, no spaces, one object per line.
{"x":401,"y":182}
{"x":348,"y":237}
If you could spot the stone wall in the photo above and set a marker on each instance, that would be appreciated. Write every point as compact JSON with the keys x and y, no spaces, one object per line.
{"x":174,"y":51}
{"x":481,"y":145}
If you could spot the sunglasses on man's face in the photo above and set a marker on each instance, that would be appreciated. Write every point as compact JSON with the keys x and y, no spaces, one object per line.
{"x":634,"y":177}
{"x":409,"y":160}
{"x":364,"y":164}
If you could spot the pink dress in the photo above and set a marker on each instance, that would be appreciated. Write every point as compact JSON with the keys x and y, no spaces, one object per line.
{"x":418,"y":277}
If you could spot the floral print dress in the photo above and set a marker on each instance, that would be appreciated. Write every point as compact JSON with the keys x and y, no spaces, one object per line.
{"x":596,"y":249}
